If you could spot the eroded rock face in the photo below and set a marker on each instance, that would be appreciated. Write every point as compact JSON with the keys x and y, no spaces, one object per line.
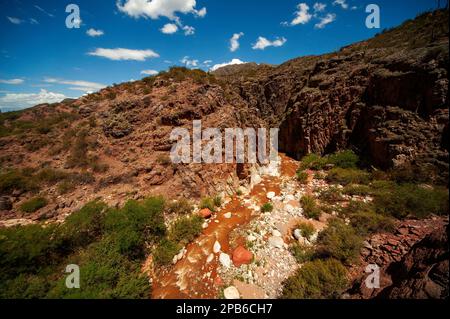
{"x":413,"y":262}
{"x":423,"y":273}
{"x":388,"y":102}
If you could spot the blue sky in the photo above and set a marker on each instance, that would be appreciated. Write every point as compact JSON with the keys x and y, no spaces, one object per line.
{"x":41,"y":60}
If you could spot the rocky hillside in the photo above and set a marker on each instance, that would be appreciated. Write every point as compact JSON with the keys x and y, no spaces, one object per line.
{"x":386,"y":98}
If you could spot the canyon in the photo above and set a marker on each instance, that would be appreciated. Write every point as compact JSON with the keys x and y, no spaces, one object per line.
{"x":386,"y":99}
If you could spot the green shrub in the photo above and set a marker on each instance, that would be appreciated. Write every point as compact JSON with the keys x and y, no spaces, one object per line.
{"x":344,"y":159}
{"x":217,"y":201}
{"x":33,"y":204}
{"x":348,"y":176}
{"x":143,"y":218}
{"x":164,"y":253}
{"x":331,"y":195}
{"x":313,"y":161}
{"x":51,"y":176}
{"x":402,"y":200}
{"x":83,"y":227}
{"x":106,"y":274}
{"x":307,"y":229}
{"x":368,"y":222}
{"x":78,"y":155}
{"x":339,"y":241}
{"x":360,"y":190}
{"x":302,"y":253}
{"x":318,"y":279}
{"x":267,"y":208}
{"x":186,"y":229}
{"x":163,"y":159}
{"x":208,"y":202}
{"x":15,"y":180}
{"x":302,"y":177}
{"x":356,"y":206}
{"x":180,"y":207}
{"x":25,"y":249}
{"x":310,"y":208}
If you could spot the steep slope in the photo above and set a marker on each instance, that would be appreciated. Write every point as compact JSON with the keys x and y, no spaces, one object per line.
{"x":386,"y":97}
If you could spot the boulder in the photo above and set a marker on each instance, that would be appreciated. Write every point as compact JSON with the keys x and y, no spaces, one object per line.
{"x":297,"y":234}
{"x":276,"y":242}
{"x":227,"y":215}
{"x":225,"y":260}
{"x":242,"y":256}
{"x":276,"y":233}
{"x":231,"y":293}
{"x":270,"y":195}
{"x":216,"y":247}
{"x":205,"y":213}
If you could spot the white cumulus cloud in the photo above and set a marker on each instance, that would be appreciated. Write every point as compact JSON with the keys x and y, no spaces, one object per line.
{"x":319,"y":7}
{"x":25,"y":100}
{"x":159,"y":8}
{"x":149,"y":72}
{"x":12,"y":81}
{"x":94,"y":33}
{"x":189,"y":63}
{"x":234,"y":41}
{"x":329,"y":18}
{"x":169,"y":28}
{"x":302,"y":14}
{"x":232,"y":62}
{"x":120,"y":54}
{"x":341,"y":3}
{"x":188,"y":30}
{"x":77,"y":85}
{"x":263,"y":43}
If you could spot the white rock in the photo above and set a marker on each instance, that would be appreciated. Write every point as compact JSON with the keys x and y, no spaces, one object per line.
{"x":289,"y":197}
{"x":251,"y":238}
{"x":210,"y":258}
{"x":231,"y":293}
{"x":216,"y":247}
{"x":290,"y":209}
{"x":276,"y":233}
{"x":227,"y":215}
{"x":276,"y":242}
{"x":205,"y":225}
{"x":270,"y":195}
{"x":297,"y":234}
{"x":225,"y":260}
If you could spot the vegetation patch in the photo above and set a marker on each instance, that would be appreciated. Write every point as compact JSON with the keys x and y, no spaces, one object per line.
{"x":310,"y":208}
{"x":33,"y":204}
{"x":339,"y":241}
{"x":267,"y":208}
{"x":318,"y":279}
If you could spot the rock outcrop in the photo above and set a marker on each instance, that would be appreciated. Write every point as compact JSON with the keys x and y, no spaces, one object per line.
{"x":423,"y":273}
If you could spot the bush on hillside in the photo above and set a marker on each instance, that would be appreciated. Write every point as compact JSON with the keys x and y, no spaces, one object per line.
{"x":318,"y":279}
{"x":33,"y":205}
{"x":186,"y":229}
{"x":348,"y":176}
{"x":339,"y":241}
{"x":310,"y":208}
